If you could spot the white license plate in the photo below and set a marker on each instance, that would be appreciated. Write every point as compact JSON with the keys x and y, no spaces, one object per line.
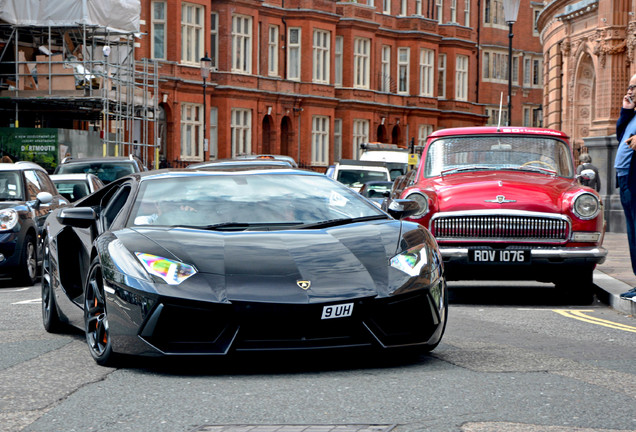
{"x":337,"y":311}
{"x":514,"y":256}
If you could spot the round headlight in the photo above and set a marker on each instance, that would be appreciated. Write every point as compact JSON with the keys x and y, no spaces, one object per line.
{"x":8,"y":219}
{"x":422,"y":201}
{"x":586,"y":206}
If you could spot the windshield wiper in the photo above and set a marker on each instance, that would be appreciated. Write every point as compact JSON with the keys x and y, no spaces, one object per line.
{"x":466,"y":168}
{"x":343,"y":221}
{"x":533,"y":168}
{"x":245,"y":226}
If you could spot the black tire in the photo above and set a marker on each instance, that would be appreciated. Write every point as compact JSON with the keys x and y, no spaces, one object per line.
{"x":28,"y":262}
{"x":50,"y":315}
{"x":96,"y":318}
{"x":578,"y":288}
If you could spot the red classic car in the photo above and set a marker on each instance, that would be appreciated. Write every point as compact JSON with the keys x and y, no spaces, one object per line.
{"x":505,"y":204}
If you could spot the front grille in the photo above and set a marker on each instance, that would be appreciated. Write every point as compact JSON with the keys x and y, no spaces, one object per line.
{"x":501,"y":228}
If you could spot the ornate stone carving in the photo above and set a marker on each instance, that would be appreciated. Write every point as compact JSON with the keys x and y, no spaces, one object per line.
{"x":630,"y":41}
{"x":604,"y":46}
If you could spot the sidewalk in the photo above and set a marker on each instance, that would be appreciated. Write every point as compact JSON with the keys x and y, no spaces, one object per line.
{"x":615,"y":275}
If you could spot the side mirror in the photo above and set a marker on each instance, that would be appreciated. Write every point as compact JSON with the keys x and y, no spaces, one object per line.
{"x":400,"y":208}
{"x":42,"y":198}
{"x":77,"y":217}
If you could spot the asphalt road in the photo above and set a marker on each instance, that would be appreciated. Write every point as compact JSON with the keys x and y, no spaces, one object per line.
{"x":512,"y":360}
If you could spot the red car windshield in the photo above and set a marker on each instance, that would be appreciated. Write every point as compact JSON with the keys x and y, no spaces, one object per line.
{"x":509,"y":152}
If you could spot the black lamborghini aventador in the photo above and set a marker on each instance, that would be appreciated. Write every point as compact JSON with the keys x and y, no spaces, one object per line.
{"x":189,"y":262}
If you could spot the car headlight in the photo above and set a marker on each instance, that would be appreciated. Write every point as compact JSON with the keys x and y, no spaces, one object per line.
{"x":422,"y":201}
{"x":171,"y":271}
{"x":411,"y":261}
{"x":8,"y":219}
{"x":586,"y":206}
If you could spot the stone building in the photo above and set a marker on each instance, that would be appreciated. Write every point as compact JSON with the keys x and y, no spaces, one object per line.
{"x":588,"y":49}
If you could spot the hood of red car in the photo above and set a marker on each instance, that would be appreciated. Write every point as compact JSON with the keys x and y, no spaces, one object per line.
{"x":508,"y":190}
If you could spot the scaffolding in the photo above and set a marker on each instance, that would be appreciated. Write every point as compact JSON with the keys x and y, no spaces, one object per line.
{"x":82,"y":77}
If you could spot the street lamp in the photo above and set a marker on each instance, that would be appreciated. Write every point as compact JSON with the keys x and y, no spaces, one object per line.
{"x":511,"y":10}
{"x":206,"y":65}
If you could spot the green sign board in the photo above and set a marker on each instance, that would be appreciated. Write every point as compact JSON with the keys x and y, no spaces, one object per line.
{"x":30,"y":144}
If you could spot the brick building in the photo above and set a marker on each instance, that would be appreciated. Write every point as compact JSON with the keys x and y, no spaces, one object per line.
{"x":589,"y":58}
{"x":314,"y":78}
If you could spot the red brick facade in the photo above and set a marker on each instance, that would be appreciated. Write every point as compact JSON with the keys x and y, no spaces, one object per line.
{"x":283,"y":113}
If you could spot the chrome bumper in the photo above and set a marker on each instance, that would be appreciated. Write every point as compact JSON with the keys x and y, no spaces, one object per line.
{"x":597,"y":254}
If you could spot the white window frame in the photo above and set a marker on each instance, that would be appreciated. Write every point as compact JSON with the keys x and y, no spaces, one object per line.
{"x":386,"y":7}
{"x":338,"y":61}
{"x":360,"y":135}
{"x":453,"y":11}
{"x":467,"y":13}
{"x":337,"y":139}
{"x":191,"y":132}
{"x":241,"y":131}
{"x":385,"y":70}
{"x":439,"y":10}
{"x":242,"y":44}
{"x":536,"y":72}
{"x":321,"y":56}
{"x":427,"y":68}
{"x":403,"y":7}
{"x":418,"y":7}
{"x":424,"y":131}
{"x":214,"y":132}
{"x":403,"y":66}
{"x":320,"y":140}
{"x":361,"y":62}
{"x":192,"y":24}
{"x":214,"y":40}
{"x":158,"y":22}
{"x":293,"y":54}
{"x":273,"y":36}
{"x":494,"y":14}
{"x":441,"y":76}
{"x":461,"y":77}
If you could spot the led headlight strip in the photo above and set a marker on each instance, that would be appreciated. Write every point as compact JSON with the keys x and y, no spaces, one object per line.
{"x":173,"y":272}
{"x":411,"y":261}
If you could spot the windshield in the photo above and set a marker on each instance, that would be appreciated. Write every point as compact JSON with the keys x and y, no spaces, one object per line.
{"x":10,"y":186}
{"x":510,"y":152}
{"x":243,"y":201}
{"x":106,"y":171}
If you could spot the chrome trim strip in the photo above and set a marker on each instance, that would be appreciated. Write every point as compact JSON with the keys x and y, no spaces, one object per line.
{"x":575,"y":252}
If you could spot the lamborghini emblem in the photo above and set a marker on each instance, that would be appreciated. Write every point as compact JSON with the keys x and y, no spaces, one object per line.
{"x":304,"y":284}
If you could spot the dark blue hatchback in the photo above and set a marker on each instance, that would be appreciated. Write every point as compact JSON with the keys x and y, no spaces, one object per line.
{"x":27,"y":196}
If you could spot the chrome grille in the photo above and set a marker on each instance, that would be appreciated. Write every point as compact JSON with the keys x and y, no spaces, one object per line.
{"x":501,"y":227}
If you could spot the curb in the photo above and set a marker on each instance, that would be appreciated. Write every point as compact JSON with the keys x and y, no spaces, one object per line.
{"x":610,"y":290}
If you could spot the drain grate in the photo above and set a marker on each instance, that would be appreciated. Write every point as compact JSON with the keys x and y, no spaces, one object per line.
{"x":296,"y":428}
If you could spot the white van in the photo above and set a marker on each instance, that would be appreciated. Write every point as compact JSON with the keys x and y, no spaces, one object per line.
{"x":395,"y":158}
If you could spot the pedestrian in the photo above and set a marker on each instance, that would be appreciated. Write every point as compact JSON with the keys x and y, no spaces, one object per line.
{"x":6,"y":159}
{"x":625,"y":165}
{"x":586,"y":163}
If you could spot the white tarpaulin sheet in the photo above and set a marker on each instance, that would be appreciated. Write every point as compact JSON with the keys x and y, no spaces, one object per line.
{"x":117,"y":15}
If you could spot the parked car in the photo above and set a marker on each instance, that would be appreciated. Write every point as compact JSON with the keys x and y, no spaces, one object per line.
{"x":376,"y":191}
{"x":106,"y":168}
{"x":212,"y":262}
{"x":27,"y":196}
{"x":505,"y":204}
{"x":242,"y":164}
{"x":355,"y":173}
{"x":76,"y":186}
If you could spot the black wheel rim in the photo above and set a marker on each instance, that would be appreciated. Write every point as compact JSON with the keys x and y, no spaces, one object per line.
{"x":95,"y":316}
{"x":47,"y":292}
